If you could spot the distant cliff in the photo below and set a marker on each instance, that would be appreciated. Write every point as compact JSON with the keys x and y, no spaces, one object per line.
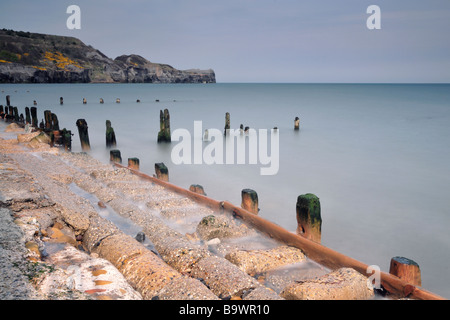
{"x":40,"y":58}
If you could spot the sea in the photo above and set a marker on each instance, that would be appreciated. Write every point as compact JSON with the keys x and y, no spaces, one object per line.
{"x":376,"y":155}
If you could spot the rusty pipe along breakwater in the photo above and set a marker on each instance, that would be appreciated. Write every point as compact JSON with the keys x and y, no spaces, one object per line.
{"x":315,"y":251}
{"x":322,"y":255}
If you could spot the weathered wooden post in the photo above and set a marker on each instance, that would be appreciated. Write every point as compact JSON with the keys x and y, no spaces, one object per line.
{"x":406,"y":269}
{"x":102,"y":101}
{"x":34,"y":102}
{"x":227,"y":123}
{"x":114,"y":156}
{"x":164,"y":124}
{"x":133,"y":163}
{"x":84,"y":135}
{"x":167,"y":125}
{"x":8,"y":101}
{"x":34,"y":118}
{"x":55,"y":137}
{"x":55,"y":122}
{"x":250,"y":200}
{"x":16,"y":114}
{"x":48,"y":119}
{"x":161,"y":171}
{"x":197,"y":189}
{"x":297,"y":123}
{"x":110,"y":135}
{"x":27,"y":115}
{"x":67,"y":139}
{"x":61,"y":100}
{"x":309,"y":221}
{"x":7,"y":115}
{"x":84,"y":101}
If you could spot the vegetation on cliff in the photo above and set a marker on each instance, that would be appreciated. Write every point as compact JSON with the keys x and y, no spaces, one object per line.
{"x":42,"y":58}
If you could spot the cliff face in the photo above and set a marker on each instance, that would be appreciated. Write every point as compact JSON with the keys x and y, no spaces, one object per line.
{"x":138,"y":69}
{"x":39,"y":58}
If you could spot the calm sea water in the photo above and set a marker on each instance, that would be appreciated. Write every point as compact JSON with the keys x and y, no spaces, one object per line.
{"x":377,"y":156}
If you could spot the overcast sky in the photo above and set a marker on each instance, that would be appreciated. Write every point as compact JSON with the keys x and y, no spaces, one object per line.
{"x":260,"y":40}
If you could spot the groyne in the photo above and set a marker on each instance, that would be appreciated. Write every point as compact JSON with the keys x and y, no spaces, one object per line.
{"x":183,"y":244}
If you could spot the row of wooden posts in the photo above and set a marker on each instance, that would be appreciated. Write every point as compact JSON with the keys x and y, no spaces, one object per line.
{"x":49,"y":124}
{"x":163,"y":135}
{"x":228,"y":126}
{"x":61,"y":100}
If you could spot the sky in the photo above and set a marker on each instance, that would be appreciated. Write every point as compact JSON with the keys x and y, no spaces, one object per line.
{"x":260,"y":40}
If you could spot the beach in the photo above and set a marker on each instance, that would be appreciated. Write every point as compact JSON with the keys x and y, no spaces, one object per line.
{"x":82,"y":229}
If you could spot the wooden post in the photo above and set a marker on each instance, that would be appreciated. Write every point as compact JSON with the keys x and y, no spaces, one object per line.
{"x":61,"y":100}
{"x":117,"y":100}
{"x":250,"y":200}
{"x":164,"y":125}
{"x":162,"y":172}
{"x":101,"y":101}
{"x":84,"y":101}
{"x":56,"y":138}
{"x":84,"y":135}
{"x":67,"y":139}
{"x":309,"y":221}
{"x":8,"y":101}
{"x":34,"y":118}
{"x":227,"y":123}
{"x":55,"y":122}
{"x":16,"y":114}
{"x":27,"y":115}
{"x":133,"y":163}
{"x":110,"y":135}
{"x":297,"y":123}
{"x":48,"y":119}
{"x":197,"y":189}
{"x":114,"y":156}
{"x":406,"y":269}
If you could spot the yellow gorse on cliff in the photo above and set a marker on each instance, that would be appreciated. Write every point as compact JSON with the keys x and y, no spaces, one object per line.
{"x":61,"y":61}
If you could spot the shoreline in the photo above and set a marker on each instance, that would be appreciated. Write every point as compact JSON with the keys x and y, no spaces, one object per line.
{"x":179,"y":249}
